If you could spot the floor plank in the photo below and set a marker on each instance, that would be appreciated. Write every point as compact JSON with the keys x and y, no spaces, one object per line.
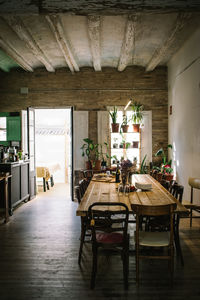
{"x":39,"y":250}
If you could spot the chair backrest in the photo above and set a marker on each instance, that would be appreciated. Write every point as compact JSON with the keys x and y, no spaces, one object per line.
{"x":172,"y":184}
{"x":194,"y":182}
{"x":177,"y":191}
{"x":165,"y":184}
{"x":154,"y":211}
{"x":78,"y":193}
{"x":108,"y":217}
{"x":83,"y":186}
{"x":88,"y":174}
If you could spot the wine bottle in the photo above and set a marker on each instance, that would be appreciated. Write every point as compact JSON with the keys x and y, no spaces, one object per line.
{"x":117,"y":175}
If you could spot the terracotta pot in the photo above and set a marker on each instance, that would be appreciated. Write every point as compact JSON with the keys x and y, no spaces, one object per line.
{"x":96,"y":165}
{"x":125,"y":128}
{"x":136,"y":127}
{"x":159,"y":176}
{"x":88,"y":165}
{"x":135,"y":144}
{"x":169,"y":177}
{"x":115,"y":127}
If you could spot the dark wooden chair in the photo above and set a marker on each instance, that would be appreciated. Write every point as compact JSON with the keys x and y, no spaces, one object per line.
{"x":144,"y":239}
{"x":88,"y":174}
{"x":109,"y":231}
{"x":83,"y":184}
{"x":165,"y":184}
{"x":85,"y":226}
{"x":194,"y":184}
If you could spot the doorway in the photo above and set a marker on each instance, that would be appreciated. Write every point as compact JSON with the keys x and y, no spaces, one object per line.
{"x":53,"y":148}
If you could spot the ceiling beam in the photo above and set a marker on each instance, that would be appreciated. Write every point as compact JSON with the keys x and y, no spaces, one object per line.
{"x":12,"y":52}
{"x":17,"y":25}
{"x":160,"y":53}
{"x":94,"y":34}
{"x":58,"y":31}
{"x":128,"y":42}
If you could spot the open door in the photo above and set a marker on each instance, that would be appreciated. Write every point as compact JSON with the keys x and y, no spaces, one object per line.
{"x":31,"y":151}
{"x":71,"y":163}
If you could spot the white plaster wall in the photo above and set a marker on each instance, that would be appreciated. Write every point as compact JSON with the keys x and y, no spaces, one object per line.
{"x":184,"y":123}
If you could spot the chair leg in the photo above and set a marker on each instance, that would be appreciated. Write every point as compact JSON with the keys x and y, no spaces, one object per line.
{"x":44,"y":184}
{"x":94,"y":267}
{"x":83,"y":231}
{"x":137,"y":264}
{"x":177,"y":240}
{"x":52,"y":181}
{"x":47,"y":185}
{"x":190,"y":217}
{"x":126,"y":265}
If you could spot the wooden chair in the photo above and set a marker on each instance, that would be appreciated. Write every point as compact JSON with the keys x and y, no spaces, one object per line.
{"x":194,"y":184}
{"x":109,"y":231}
{"x":83,"y":184}
{"x":88,"y":174}
{"x":154,"y":239}
{"x":165,"y":184}
{"x":85,"y":226}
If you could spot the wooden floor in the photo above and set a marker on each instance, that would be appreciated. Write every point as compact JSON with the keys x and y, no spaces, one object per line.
{"x":38,"y":258}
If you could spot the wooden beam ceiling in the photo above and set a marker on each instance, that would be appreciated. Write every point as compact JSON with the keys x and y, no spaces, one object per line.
{"x":160,"y":53}
{"x":128,"y":42}
{"x":24,"y":34}
{"x":13,"y":53}
{"x":94,"y":34}
{"x":58,"y":31}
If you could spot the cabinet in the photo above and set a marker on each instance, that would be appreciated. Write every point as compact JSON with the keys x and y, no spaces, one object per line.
{"x":14,"y":128}
{"x":126,"y":145}
{"x":18,"y":188}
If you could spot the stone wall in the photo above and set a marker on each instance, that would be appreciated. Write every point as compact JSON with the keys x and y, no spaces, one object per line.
{"x":90,"y":90}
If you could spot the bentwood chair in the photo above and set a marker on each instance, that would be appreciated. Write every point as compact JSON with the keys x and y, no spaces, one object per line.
{"x":109,"y":224}
{"x":85,"y":228}
{"x":194,"y":184}
{"x":144,"y":239}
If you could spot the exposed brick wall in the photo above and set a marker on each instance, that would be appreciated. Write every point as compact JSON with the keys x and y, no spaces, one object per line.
{"x":90,"y":90}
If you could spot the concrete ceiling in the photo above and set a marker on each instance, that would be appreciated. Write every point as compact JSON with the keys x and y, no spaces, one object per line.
{"x":98,"y":34}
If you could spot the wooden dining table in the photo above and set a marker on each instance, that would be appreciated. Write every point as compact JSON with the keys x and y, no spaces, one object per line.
{"x":106,"y":190}
{"x":102,"y":190}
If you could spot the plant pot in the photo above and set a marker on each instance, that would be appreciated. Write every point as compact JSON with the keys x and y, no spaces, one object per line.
{"x":115,"y":145}
{"x":136,"y":127}
{"x":169,"y":177}
{"x":135,"y":144}
{"x":96,"y":165}
{"x":159,"y":176}
{"x":88,"y":165}
{"x":115,"y":127}
{"x":125,"y":128}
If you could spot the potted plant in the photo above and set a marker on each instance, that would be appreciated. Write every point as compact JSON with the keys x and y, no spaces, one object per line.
{"x":137,"y":116}
{"x":96,"y":163}
{"x":86,"y":148}
{"x":124,"y":125}
{"x":115,"y":125}
{"x":165,"y":168}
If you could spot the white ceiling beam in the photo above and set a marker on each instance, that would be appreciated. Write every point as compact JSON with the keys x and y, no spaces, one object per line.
{"x":17,"y":25}
{"x":94,"y":34}
{"x":58,"y":31}
{"x":160,"y":53}
{"x":128,"y":42}
{"x":12,"y":52}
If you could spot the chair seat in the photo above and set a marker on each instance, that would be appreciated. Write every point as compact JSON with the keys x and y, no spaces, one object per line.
{"x":109,"y":238}
{"x":154,"y":239}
